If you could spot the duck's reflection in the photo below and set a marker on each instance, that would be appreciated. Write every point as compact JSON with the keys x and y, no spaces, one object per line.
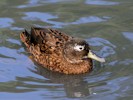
{"x":74,"y":85}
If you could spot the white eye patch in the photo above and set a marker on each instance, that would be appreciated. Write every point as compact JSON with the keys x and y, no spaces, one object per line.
{"x":79,"y":47}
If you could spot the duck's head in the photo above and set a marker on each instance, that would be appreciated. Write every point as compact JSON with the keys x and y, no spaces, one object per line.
{"x":77,"y":50}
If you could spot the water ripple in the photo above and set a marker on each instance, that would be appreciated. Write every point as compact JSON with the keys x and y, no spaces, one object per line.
{"x":89,"y":19}
{"x":6,"y":22}
{"x":101,"y":2}
{"x":126,"y":62}
{"x":96,"y":41}
{"x":14,"y":41}
{"x":31,"y":3}
{"x":107,"y":47}
{"x":128,"y":35}
{"x":11,"y":53}
{"x":35,"y":3}
{"x":47,"y":17}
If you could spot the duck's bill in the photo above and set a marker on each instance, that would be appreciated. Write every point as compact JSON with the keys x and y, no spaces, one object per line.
{"x":95,"y":57}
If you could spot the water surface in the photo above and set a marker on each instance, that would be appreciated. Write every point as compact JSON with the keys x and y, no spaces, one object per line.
{"x":107,"y":25}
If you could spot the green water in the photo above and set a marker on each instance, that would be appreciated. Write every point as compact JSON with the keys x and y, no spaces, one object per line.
{"x":107,"y":25}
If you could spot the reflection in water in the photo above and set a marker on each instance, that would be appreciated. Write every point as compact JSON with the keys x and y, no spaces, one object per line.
{"x":101,"y":2}
{"x":6,"y":22}
{"x":74,"y":85}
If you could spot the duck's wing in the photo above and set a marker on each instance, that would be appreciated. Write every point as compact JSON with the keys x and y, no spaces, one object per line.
{"x":50,"y":36}
{"x":48,"y":40}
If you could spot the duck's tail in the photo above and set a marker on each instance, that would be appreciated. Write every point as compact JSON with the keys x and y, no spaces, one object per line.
{"x":25,"y":38}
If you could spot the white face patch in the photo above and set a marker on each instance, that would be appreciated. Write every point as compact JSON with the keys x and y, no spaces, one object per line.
{"x":79,"y":47}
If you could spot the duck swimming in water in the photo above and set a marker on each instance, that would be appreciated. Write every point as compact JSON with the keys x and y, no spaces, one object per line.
{"x":59,"y":52}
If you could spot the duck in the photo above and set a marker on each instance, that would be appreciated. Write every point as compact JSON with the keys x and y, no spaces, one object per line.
{"x":59,"y":52}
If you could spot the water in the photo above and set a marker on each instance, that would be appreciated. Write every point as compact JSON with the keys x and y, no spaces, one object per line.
{"x":106,"y":24}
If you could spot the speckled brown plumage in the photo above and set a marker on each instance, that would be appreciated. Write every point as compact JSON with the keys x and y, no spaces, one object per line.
{"x":50,"y":48}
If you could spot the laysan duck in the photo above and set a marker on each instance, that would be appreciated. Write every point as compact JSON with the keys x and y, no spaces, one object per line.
{"x":58,"y":51}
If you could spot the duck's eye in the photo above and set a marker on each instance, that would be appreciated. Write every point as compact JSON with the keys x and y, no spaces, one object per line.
{"x":79,"y":47}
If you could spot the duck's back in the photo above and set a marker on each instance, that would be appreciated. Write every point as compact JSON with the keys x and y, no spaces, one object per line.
{"x":45,"y":39}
